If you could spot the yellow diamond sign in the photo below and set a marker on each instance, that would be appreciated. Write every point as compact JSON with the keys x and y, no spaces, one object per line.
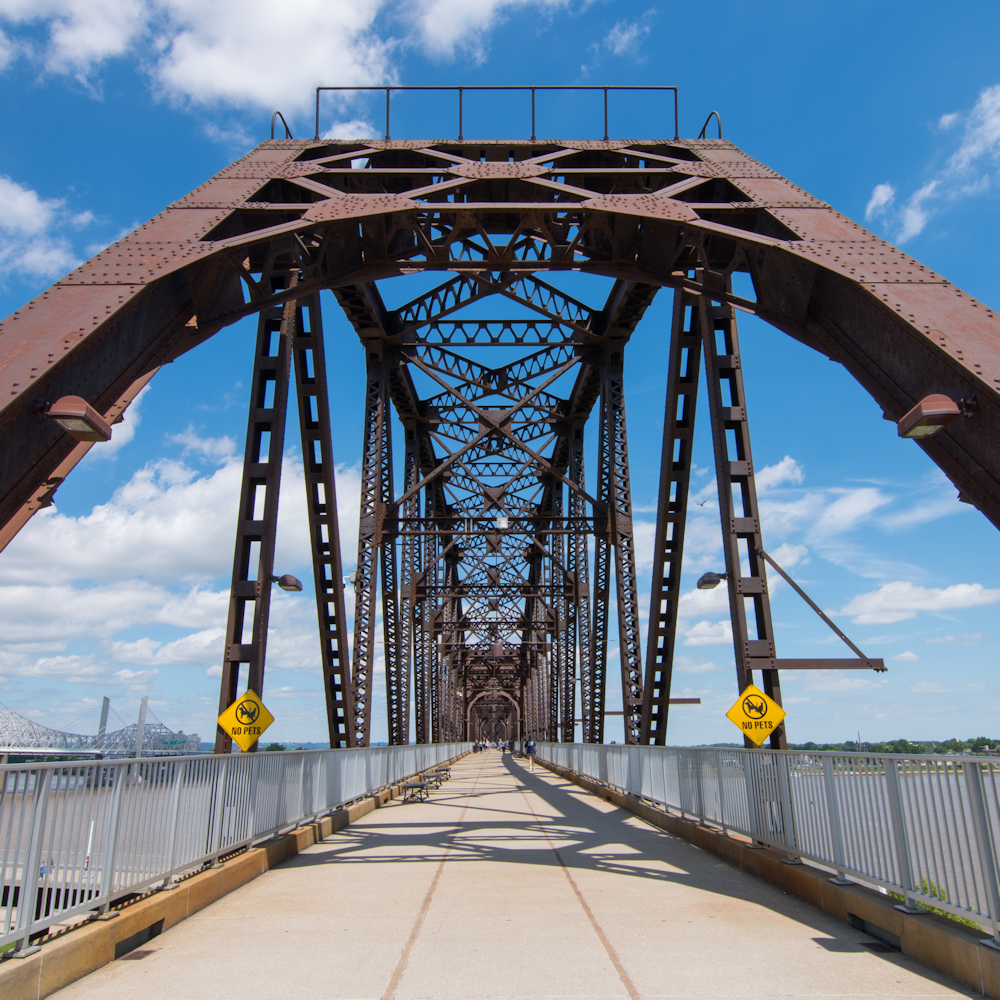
{"x":755,"y":714}
{"x":245,"y":720}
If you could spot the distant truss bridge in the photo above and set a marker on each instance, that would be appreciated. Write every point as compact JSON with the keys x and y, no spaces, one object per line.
{"x":146,"y":737}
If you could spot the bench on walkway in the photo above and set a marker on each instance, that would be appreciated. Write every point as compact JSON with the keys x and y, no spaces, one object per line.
{"x":416,"y":791}
{"x":438,"y":776}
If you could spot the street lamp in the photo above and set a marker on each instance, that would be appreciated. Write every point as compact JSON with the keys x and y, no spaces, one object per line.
{"x":287,"y":582}
{"x":79,"y":419}
{"x":710,"y":581}
{"x":928,"y":416}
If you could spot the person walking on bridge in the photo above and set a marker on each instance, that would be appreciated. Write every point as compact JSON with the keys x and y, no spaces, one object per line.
{"x":529,"y":749}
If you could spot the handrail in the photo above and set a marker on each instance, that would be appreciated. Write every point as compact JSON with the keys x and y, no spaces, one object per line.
{"x":718,"y":121}
{"x":461,"y":92}
{"x":80,"y":835}
{"x":923,"y":826}
{"x":288,"y":131}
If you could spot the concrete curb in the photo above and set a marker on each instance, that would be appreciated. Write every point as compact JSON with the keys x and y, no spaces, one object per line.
{"x":89,"y":946}
{"x":929,"y":938}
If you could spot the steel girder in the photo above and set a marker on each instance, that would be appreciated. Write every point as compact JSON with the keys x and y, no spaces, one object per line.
{"x":494,"y":217}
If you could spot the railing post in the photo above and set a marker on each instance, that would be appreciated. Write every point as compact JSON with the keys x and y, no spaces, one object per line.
{"x":748,"y":758}
{"x":254,"y":782}
{"x":30,"y":878}
{"x":532,"y":114}
{"x":386,"y":114}
{"x":174,"y":810}
{"x":722,"y":791}
{"x":215,"y":842}
{"x":833,"y":817}
{"x":605,"y":114}
{"x":700,"y":786}
{"x":785,"y":801}
{"x":111,"y":846}
{"x":900,"y":838}
{"x":460,"y":136}
{"x":985,"y":843}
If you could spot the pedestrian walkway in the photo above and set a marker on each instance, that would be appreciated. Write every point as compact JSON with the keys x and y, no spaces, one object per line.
{"x":508,"y":884}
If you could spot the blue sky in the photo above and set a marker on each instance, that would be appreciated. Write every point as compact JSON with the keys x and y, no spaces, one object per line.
{"x":114,"y":108}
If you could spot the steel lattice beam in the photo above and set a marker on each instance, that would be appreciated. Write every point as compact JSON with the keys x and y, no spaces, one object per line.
{"x":511,"y":616}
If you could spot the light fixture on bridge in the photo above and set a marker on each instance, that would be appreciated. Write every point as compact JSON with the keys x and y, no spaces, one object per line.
{"x":928,"y":416}
{"x":496,"y":649}
{"x":502,"y":522}
{"x":79,"y":419}
{"x":710,"y":581}
{"x":287,"y":582}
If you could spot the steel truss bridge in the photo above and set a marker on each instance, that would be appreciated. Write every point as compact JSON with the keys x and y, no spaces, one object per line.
{"x":21,"y":737}
{"x":476,"y":552}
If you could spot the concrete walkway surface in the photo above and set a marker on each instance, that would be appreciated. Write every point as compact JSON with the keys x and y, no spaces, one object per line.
{"x":507,"y":884}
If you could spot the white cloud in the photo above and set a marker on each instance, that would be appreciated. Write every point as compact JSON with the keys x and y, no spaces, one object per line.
{"x":29,"y":240}
{"x":842,"y":680}
{"x":787,"y":556}
{"x":212,"y":53}
{"x":969,"y":170}
{"x":931,"y":687}
{"x":356,"y":128}
{"x":7,"y":51}
{"x":216,"y":449}
{"x":883,"y":195}
{"x":962,"y":639}
{"x":121,"y":433}
{"x":197,"y":648}
{"x":705,"y":633}
{"x":905,"y":657}
{"x":685,"y":666}
{"x":915,"y":213}
{"x":786,"y":471}
{"x":699,"y":603}
{"x":901,"y":600}
{"x":443,"y":27}
{"x":625,"y":36}
{"x":850,"y":509}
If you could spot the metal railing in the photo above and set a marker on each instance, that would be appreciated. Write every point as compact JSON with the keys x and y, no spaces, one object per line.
{"x":524,"y":89}
{"x":75,"y":837}
{"x":924,"y":827}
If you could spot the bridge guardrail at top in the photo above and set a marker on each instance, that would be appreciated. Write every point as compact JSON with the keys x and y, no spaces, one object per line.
{"x":77,"y":836}
{"x":924,"y":827}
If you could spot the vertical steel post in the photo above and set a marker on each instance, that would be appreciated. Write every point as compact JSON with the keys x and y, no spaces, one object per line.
{"x":579,"y":555}
{"x":593,"y":689}
{"x":735,"y":475}
{"x":258,"y":511}
{"x":313,"y":397}
{"x":683,"y":369}
{"x":409,"y":636}
{"x":369,"y":540}
{"x":619,"y":498}
{"x":397,"y":679}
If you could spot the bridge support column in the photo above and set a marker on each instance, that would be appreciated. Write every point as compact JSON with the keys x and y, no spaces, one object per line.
{"x":683,"y":370}
{"x":313,"y":398}
{"x":748,"y":598}
{"x":258,"y":510}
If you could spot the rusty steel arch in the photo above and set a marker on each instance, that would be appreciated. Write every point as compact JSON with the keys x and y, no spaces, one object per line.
{"x":480,"y":545}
